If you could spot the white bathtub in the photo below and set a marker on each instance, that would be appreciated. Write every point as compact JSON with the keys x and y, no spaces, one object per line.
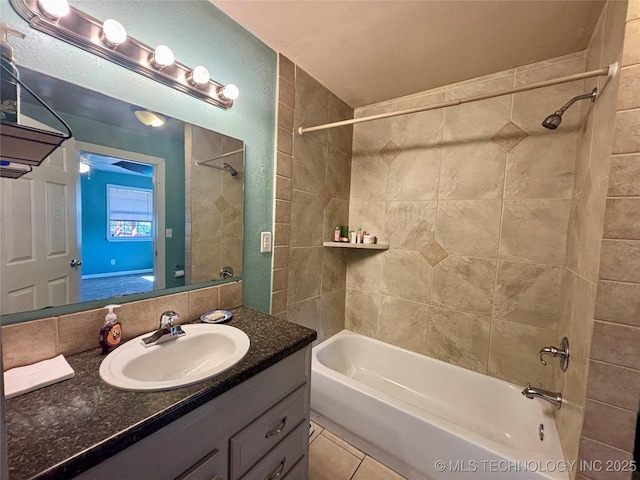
{"x":410,"y":411}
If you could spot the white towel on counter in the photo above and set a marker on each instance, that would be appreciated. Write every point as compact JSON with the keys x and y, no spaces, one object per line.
{"x":20,"y":380}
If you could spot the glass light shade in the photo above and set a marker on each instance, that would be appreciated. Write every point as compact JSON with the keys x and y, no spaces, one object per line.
{"x":114,"y":33}
{"x":163,"y":56}
{"x":84,"y":167}
{"x":54,"y":8}
{"x":199,"y":76}
{"x":229,"y":92}
{"x":150,"y":119}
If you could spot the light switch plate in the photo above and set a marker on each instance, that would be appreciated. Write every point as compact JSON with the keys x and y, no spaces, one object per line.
{"x":265,"y":242}
{"x":168,"y":232}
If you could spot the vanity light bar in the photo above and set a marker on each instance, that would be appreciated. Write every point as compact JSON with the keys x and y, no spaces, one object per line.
{"x":109,"y":40}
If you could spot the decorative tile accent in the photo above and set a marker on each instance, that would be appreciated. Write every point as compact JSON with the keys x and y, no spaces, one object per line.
{"x":221,"y":203}
{"x":324,"y":196}
{"x":434,"y":253}
{"x":389,"y":152}
{"x":509,"y":136}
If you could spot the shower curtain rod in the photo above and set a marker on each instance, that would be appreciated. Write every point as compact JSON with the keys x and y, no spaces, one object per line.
{"x":609,"y":71}
{"x":203,"y":163}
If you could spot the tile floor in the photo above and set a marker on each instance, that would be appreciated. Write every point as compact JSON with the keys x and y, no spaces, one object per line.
{"x":331,"y":458}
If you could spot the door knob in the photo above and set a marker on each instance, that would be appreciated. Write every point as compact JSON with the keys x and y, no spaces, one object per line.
{"x":75,"y":263}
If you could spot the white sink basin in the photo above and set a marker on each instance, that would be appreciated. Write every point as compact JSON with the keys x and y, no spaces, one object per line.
{"x":205,"y":351}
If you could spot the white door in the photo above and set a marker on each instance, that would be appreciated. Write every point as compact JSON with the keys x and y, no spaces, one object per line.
{"x":38,"y":218}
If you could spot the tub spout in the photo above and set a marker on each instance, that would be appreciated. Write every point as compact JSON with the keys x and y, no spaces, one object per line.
{"x":554,"y":398}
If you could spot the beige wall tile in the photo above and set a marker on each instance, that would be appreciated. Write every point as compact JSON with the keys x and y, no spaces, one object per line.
{"x":631,"y":50}
{"x":617,"y":344}
{"x":30,"y":342}
{"x":475,"y":123}
{"x":79,"y":332}
{"x":285,"y":117}
{"x":618,"y":302}
{"x":369,"y":215}
{"x":459,"y":338}
{"x":286,"y":69}
{"x":178,"y":303}
{"x":286,"y":92}
{"x":592,"y":451}
{"x":338,"y":177}
{"x":230,"y":295}
{"x":627,"y":133}
{"x":620,"y":260}
{"x":312,"y":99}
{"x":610,"y":425}
{"x":284,"y":141}
{"x":368,"y":178}
{"x":203,"y":300}
{"x":470,"y":172}
{"x":413,"y":175}
{"x":528,"y":294}
{"x":361,"y":315}
{"x":404,"y":323}
{"x":613,"y":384}
{"x":280,"y":257}
{"x":284,"y":165}
{"x":341,"y":138}
{"x":410,"y":224}
{"x":335,"y":213}
{"x":307,"y":314}
{"x":534,"y":231}
{"x":334,"y":269}
{"x":139,"y":317}
{"x":633,"y":11}
{"x":514,"y":354}
{"x":280,"y":279}
{"x":570,"y":416}
{"x":281,"y":234}
{"x":624,"y":170}
{"x":332,"y":315}
{"x":307,"y":215}
{"x":400,"y":265}
{"x":582,"y":306}
{"x":305,"y":267}
{"x":278,"y":302}
{"x":283,"y":188}
{"x":622,"y":218}
{"x":310,"y":163}
{"x":364,"y":271}
{"x":538,"y":168}
{"x":283,"y":211}
{"x":469,"y":227}
{"x":629,"y":87}
{"x":465,"y":284}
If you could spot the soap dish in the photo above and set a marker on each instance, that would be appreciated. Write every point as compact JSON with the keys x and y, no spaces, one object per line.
{"x":216,"y":316}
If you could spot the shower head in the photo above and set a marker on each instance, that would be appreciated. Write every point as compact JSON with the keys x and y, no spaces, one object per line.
{"x":553,"y":120}
{"x":230,"y":169}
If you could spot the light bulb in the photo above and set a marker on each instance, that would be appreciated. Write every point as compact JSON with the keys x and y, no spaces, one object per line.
{"x":229,"y":92}
{"x":199,"y":76}
{"x":84,"y":167}
{"x":162,"y":57}
{"x":54,"y":8}
{"x":113,"y":33}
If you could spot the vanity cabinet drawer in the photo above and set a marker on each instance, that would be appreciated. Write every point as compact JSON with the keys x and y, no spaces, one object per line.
{"x":300,"y":471}
{"x":210,"y":467}
{"x":282,"y":459}
{"x":251,"y":443}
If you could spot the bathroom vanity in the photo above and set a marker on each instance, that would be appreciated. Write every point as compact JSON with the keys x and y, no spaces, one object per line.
{"x":250,"y":422}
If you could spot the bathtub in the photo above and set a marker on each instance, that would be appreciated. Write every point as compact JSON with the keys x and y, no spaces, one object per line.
{"x":428,"y":419}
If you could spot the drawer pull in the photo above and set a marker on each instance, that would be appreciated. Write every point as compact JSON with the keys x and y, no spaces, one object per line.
{"x":276,"y":430}
{"x":278,"y":472}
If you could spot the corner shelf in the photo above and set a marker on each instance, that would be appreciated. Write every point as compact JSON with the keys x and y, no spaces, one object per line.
{"x":359,"y":246}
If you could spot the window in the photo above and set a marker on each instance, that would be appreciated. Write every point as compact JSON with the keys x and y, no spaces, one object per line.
{"x":129,"y":213}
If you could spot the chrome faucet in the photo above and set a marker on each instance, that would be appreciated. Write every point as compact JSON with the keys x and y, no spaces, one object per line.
{"x":167,"y":331}
{"x":554,"y":398}
{"x":562,"y":353}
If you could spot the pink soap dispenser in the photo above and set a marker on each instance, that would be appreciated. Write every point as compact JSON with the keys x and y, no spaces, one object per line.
{"x":111,"y":332}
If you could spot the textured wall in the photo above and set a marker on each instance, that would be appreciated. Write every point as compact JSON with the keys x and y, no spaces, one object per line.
{"x":613,"y":382}
{"x":474,"y":201}
{"x":198,"y":33}
{"x":312,"y":197}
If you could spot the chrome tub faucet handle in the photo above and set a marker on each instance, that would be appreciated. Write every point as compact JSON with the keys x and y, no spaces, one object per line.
{"x":562,"y":353}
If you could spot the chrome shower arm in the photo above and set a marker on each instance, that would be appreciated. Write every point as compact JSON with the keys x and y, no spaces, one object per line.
{"x":585,"y":96}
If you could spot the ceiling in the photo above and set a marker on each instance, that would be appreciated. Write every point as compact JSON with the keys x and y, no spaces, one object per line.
{"x":369,"y":51}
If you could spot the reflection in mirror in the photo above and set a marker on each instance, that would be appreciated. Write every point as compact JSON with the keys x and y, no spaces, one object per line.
{"x":136,"y":201}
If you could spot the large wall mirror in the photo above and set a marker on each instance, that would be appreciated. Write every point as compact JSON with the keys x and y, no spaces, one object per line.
{"x":135,"y":202}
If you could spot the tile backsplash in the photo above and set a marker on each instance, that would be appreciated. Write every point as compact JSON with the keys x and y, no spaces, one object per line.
{"x":29,"y":342}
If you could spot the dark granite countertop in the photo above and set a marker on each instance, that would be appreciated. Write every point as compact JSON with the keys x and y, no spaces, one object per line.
{"x":64,"y":429}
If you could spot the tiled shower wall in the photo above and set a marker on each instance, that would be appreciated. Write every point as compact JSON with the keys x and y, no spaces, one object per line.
{"x":474,"y":201}
{"x":613,"y":383}
{"x":312,"y":198}
{"x":580,"y":275}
